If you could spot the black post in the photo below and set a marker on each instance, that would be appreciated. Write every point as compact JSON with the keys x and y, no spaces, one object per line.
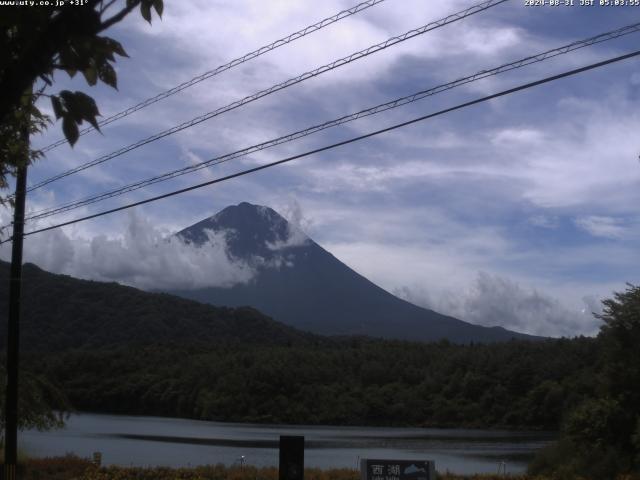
{"x":291,"y":458}
{"x":13,"y":335}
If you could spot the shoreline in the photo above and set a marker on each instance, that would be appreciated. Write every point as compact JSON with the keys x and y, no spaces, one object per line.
{"x":71,"y":467}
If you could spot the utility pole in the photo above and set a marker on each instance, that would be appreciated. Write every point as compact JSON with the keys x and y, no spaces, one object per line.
{"x":13,"y":335}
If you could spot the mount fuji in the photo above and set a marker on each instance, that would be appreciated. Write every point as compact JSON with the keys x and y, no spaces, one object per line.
{"x":299,"y":283}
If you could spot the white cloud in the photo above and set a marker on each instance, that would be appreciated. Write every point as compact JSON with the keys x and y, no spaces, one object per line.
{"x":353,"y":176}
{"x":297,"y":223}
{"x":490,"y":41}
{"x":544,"y":221}
{"x":144,"y":257}
{"x":605,"y":227}
{"x":517,"y":136}
{"x":590,"y":163}
{"x":497,"y":301}
{"x":191,"y":159}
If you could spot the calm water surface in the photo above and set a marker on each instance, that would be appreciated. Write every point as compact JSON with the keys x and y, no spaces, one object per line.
{"x":151,"y":441}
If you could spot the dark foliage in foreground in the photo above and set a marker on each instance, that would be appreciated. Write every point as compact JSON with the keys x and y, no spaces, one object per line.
{"x":601,"y":436}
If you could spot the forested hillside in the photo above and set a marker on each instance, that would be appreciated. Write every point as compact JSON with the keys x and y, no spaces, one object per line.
{"x":62,"y":312}
{"x":345,"y":382}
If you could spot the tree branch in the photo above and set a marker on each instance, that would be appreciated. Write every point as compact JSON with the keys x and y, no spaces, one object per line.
{"x":104,"y":8}
{"x":118,"y":16}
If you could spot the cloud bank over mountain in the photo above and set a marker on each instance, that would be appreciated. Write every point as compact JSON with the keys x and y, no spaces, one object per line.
{"x":143,"y":256}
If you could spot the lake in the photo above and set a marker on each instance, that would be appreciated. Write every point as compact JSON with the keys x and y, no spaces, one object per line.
{"x":154,"y":441}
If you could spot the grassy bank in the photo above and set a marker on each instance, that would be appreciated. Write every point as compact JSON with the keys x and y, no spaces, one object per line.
{"x":75,"y":468}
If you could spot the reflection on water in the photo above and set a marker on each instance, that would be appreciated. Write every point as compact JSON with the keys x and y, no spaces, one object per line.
{"x":125,"y":440}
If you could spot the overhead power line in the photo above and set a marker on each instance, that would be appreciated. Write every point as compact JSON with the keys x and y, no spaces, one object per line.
{"x":227,"y":66}
{"x":339,"y":121}
{"x":339,"y":144}
{"x":280,"y":86}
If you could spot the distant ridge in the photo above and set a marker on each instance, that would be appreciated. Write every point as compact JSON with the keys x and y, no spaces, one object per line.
{"x":302,"y":285}
{"x":64,"y":313}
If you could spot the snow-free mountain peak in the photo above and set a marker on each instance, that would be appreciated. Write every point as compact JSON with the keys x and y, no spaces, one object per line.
{"x":250,"y":231}
{"x":301,"y":284}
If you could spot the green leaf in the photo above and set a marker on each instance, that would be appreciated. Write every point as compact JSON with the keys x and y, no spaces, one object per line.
{"x":80,"y":107}
{"x":94,"y":123}
{"x":69,"y":61}
{"x":70,"y":108}
{"x":57,"y":106}
{"x":86,"y":108}
{"x":115,"y":46}
{"x":145,"y":10}
{"x":159,"y":7}
{"x":67,"y":97}
{"x":90,"y":75}
{"x":70,"y":130}
{"x":108,"y":75}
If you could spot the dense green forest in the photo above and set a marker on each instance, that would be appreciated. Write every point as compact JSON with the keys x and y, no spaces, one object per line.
{"x":345,"y":382}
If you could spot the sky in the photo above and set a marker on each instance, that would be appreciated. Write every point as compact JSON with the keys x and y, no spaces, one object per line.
{"x":520,"y":212}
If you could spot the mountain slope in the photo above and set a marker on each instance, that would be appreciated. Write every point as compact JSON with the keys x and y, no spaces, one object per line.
{"x":60,"y":312}
{"x":301,"y":284}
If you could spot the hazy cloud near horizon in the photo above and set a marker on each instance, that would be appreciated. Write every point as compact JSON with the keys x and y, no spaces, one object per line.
{"x":493,"y":300}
